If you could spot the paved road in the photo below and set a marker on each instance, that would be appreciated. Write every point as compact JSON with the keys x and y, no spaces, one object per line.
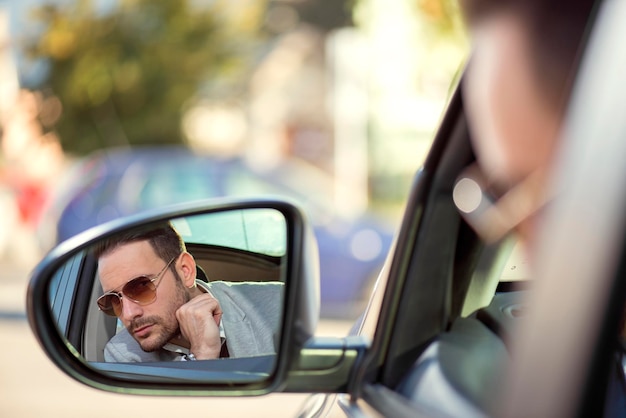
{"x":30,"y":386}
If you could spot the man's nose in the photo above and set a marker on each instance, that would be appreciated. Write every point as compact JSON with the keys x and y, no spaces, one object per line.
{"x":130,"y":310}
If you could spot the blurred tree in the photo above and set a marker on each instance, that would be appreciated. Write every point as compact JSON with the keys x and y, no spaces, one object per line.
{"x":444,"y":15}
{"x":326,"y":14}
{"x":124,"y":75}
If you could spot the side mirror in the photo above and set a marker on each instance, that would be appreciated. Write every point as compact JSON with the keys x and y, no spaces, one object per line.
{"x":266,"y":247}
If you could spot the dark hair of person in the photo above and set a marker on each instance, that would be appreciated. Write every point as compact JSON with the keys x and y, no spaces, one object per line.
{"x":162,"y":237}
{"x":556,"y":31}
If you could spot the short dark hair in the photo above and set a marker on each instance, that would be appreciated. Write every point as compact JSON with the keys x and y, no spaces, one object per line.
{"x":162,"y":237}
{"x":556,"y":31}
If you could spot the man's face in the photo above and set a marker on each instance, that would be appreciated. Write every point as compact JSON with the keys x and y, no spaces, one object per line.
{"x":514,"y":129}
{"x":152,"y":325}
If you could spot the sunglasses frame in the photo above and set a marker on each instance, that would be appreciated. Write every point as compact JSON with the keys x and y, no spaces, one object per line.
{"x":119,"y":293}
{"x":492,"y":217}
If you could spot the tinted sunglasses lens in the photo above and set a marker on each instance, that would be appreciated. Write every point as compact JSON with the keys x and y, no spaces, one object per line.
{"x":140,"y":290}
{"x":110,"y":304}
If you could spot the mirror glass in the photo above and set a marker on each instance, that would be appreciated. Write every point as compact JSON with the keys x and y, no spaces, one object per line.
{"x":195,"y":298}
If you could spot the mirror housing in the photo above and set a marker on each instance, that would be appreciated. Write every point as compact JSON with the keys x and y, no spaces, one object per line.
{"x":299,"y":318}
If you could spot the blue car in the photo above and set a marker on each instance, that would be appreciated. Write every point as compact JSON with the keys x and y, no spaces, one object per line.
{"x":113,"y":183}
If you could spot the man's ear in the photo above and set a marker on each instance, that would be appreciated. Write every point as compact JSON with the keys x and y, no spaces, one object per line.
{"x":188,"y":269}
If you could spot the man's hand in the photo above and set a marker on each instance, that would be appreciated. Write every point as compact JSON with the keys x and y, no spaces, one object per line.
{"x":199,"y":324}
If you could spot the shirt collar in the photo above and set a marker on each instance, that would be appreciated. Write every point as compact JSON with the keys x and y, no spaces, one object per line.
{"x":177,"y":349}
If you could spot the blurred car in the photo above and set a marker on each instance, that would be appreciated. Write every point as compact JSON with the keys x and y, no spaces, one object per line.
{"x":117,"y":182}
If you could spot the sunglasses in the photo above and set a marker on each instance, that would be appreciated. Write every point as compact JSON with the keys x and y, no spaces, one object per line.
{"x":493,"y":216}
{"x":141,"y":290}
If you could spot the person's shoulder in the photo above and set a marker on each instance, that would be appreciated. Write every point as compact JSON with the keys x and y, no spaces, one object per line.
{"x":123,"y":348}
{"x":120,"y":348}
{"x":245,"y":284}
{"x":246,"y":287}
{"x":121,"y":337}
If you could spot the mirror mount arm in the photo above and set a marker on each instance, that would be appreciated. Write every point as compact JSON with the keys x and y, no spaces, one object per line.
{"x":325,"y":365}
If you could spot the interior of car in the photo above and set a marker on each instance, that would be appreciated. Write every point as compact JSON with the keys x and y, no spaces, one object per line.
{"x":462,"y":368}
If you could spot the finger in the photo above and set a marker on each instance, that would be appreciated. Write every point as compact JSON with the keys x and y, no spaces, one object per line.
{"x":217,"y":315}
{"x":202,"y":306}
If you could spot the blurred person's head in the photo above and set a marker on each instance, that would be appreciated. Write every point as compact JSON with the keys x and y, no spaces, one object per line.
{"x":146,"y":276}
{"x":525,"y":54}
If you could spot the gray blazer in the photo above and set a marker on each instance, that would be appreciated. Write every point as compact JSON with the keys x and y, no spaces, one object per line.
{"x":252,"y":313}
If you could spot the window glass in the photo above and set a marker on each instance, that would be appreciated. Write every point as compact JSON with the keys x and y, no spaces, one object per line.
{"x":261,"y":231}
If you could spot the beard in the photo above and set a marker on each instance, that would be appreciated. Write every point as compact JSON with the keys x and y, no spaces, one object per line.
{"x":164,"y":327}
{"x":162,"y":331}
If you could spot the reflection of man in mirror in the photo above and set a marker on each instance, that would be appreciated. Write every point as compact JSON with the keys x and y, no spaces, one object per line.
{"x":150,"y":283}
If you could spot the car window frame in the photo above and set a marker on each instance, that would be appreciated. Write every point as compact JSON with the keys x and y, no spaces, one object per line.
{"x":62,"y":290}
{"x":395,"y":347}
{"x":73,"y":306}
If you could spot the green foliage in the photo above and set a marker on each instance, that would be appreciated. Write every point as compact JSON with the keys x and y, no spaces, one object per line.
{"x":442,"y":16}
{"x":124,"y":76}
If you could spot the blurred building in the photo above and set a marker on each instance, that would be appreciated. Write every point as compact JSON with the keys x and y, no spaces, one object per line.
{"x":359,"y":99}
{"x":21,"y":190}
{"x":411,"y":69}
{"x":308,"y":101}
{"x":9,"y":83}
